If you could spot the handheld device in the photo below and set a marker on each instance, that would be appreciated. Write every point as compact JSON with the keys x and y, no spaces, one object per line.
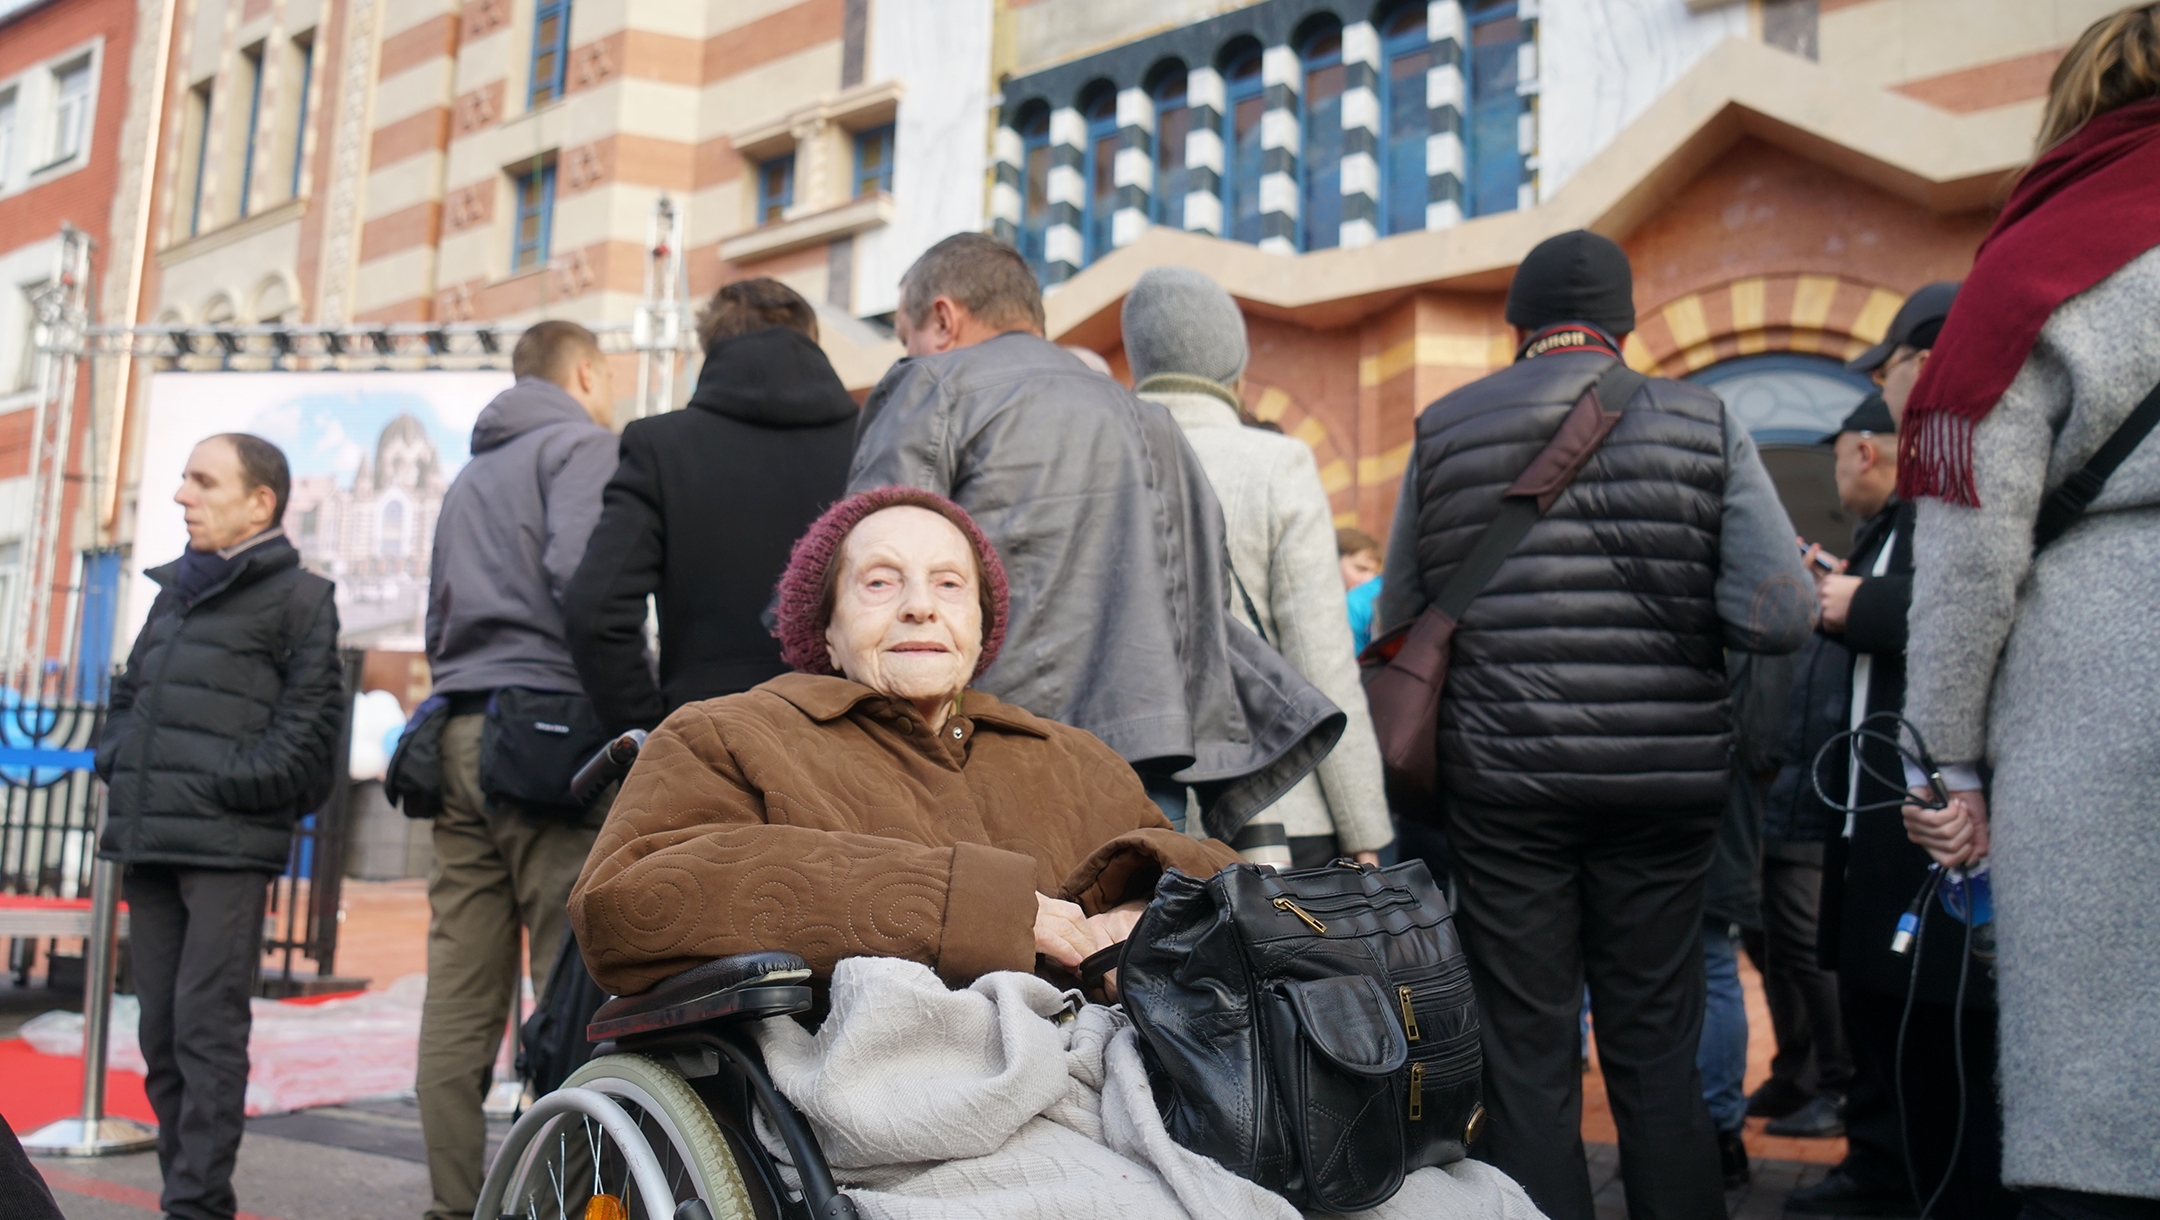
{"x":1821,"y":559}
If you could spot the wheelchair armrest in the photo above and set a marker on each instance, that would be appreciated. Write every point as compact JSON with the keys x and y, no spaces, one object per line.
{"x":747,"y":986}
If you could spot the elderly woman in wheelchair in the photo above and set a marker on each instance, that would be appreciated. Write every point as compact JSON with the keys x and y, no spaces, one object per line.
{"x":868,"y":805}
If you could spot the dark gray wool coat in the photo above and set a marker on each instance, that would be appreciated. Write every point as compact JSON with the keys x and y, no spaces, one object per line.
{"x":224,"y":725}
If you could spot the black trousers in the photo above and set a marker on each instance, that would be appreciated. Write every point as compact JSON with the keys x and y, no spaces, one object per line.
{"x":1802,"y":996}
{"x":1545,"y":899}
{"x":2048,"y":1203}
{"x":1877,"y":1138}
{"x":196,"y":939}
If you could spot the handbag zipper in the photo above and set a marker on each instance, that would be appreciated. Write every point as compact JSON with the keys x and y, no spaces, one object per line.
{"x":1409,"y":1017}
{"x":1284,"y":904}
{"x":1417,"y":1092}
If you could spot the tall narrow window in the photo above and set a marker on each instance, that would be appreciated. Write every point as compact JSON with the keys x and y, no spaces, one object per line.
{"x":251,"y":80}
{"x":1099,"y":168}
{"x":71,"y":110}
{"x":874,"y":160}
{"x":197,"y":131}
{"x":1495,"y":117}
{"x":1403,"y":183}
{"x":535,"y":216}
{"x":303,"y":50}
{"x":775,"y":188}
{"x":550,"y":51}
{"x":1320,"y":160}
{"x":1246,"y":101}
{"x":1034,"y":129}
{"x":1173,"y":122}
{"x":7,"y":139}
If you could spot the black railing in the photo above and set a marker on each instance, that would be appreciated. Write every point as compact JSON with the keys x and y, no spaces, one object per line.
{"x":305,"y":899}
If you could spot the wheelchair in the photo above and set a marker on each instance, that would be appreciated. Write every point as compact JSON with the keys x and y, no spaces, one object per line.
{"x":659,"y":1124}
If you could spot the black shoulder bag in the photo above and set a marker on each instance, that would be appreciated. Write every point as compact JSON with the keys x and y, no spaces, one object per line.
{"x":2068,"y":502}
{"x":1314,"y":1031}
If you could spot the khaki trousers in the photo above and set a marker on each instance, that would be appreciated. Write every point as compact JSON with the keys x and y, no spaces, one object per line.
{"x":497,"y":871}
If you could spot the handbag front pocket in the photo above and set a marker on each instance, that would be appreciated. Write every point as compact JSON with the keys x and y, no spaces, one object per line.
{"x":1339,"y":1053}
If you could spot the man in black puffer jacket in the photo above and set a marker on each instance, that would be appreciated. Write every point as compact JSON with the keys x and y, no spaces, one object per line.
{"x":221,"y":736}
{"x":1585,"y":738}
{"x":703,"y":508}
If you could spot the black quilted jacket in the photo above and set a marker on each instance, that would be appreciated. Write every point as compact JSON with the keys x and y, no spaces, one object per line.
{"x":224,"y":725}
{"x":1591,"y":671}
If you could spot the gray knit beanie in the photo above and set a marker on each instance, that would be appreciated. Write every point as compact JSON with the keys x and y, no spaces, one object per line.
{"x":1177,"y":320}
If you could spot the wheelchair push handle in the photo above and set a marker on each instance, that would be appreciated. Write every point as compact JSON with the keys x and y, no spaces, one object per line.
{"x":611,"y":763}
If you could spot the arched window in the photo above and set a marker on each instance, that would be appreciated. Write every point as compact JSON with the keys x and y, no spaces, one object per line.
{"x":1033,"y":125}
{"x":1320,"y":158}
{"x":1495,"y":113}
{"x":1406,"y":56}
{"x":1173,"y":120}
{"x":1098,"y":106}
{"x":1245,"y":100}
{"x":1788,"y":402}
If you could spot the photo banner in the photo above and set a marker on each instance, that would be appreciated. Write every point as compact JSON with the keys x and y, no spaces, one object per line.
{"x":371,"y":456}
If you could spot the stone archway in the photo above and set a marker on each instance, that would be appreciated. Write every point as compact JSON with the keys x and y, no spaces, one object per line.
{"x":1830,"y":315}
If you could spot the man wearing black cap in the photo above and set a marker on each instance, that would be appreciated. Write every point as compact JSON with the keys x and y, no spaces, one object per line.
{"x":1895,"y":363}
{"x":1871,"y":871}
{"x":1584,"y":732}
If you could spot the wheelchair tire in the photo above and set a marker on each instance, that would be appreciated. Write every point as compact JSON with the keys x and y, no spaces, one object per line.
{"x":654,"y":1094}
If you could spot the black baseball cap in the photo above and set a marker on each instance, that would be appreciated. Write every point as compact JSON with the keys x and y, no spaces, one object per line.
{"x":1872,"y":415}
{"x":1917,"y":323}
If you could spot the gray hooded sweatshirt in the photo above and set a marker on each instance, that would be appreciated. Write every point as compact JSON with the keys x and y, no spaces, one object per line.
{"x":512,"y":530}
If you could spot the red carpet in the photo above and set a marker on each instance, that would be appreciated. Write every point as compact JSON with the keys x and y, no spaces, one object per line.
{"x":36,"y":1089}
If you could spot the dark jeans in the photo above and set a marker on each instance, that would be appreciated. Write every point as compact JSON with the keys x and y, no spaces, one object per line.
{"x":1544,"y":899}
{"x":1802,"y":996}
{"x":1722,"y":1056}
{"x":2048,"y":1203}
{"x":195,"y":939}
{"x":1875,"y":1153}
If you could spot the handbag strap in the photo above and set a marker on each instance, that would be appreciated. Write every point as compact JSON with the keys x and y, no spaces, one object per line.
{"x":1541,"y":483}
{"x":2068,"y":502}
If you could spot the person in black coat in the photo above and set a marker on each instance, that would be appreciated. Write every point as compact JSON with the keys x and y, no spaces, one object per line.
{"x":702,"y":511}
{"x":222,"y":735}
{"x":1871,"y":873}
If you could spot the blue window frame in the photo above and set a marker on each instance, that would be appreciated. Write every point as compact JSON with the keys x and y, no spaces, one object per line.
{"x":1320,"y":159}
{"x":1034,"y":129}
{"x":1244,"y":101}
{"x":550,"y":51}
{"x":305,"y":49}
{"x":874,"y":160}
{"x":199,"y":104}
{"x":1099,"y":170}
{"x":1406,"y":58}
{"x":1495,"y":111}
{"x":535,"y":217}
{"x":775,"y":188}
{"x":1173,"y":122}
{"x":252,"y":60}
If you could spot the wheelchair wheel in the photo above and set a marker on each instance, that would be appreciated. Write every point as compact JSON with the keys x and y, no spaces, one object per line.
{"x":578,"y":1156}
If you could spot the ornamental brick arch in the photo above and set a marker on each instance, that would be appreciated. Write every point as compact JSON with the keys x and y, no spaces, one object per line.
{"x":1830,"y":315}
{"x":1271,"y":403}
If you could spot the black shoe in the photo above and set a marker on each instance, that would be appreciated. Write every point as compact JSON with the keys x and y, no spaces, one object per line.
{"x":1817,"y":1120}
{"x":1839,"y":1195}
{"x":1776,"y":1099}
{"x":1732,"y":1158}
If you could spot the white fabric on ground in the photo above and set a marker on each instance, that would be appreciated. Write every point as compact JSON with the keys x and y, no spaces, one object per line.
{"x":997,"y":1102}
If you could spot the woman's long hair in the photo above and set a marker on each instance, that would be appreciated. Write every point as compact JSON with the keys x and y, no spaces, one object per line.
{"x":2116,"y":61}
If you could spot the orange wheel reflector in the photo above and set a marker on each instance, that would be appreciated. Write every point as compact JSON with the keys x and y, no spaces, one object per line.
{"x":606,"y":1207}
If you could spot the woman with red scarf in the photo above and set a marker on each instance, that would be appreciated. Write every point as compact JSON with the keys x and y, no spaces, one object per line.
{"x":2038,"y":660}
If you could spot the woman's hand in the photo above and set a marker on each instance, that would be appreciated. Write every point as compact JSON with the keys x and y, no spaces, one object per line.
{"x":1954,"y":835}
{"x":1114,"y":925}
{"x":1367,"y":857}
{"x":1835,"y":593}
{"x":1063,"y":933}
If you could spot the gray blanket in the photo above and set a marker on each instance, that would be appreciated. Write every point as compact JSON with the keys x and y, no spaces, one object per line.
{"x":1012,"y":1100}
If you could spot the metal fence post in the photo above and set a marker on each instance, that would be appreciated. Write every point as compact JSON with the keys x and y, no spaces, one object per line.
{"x":93,"y":1134}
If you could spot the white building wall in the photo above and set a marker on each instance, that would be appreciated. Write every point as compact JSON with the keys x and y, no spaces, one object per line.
{"x":941,"y":139}
{"x":1604,"y":62}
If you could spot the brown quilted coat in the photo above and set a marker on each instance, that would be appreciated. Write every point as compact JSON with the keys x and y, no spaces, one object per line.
{"x":815,"y":815}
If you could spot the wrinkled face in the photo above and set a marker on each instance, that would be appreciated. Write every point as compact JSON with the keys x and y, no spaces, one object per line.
{"x":220,"y":508}
{"x":1359,"y":567}
{"x":907,"y":610}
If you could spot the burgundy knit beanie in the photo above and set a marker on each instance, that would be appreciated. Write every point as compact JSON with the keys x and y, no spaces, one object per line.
{"x":802,"y":617}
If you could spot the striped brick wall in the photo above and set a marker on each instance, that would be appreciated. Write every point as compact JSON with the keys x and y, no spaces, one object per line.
{"x":1361,"y":135}
{"x":1063,"y":251}
{"x":1281,"y":75}
{"x":1006,"y":203}
{"x":1134,"y":172}
{"x":1446,"y":163}
{"x":1204,"y":151}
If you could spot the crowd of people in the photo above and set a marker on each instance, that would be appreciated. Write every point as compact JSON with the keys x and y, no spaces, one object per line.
{"x":955,"y":675}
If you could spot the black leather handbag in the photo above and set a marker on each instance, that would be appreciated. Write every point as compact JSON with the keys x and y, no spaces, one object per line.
{"x":1314,"y":1031}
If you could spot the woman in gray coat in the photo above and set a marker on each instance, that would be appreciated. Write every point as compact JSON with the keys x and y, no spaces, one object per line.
{"x":1185,"y":340}
{"x":2040,"y":660}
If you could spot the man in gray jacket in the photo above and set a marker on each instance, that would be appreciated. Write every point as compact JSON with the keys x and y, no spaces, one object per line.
{"x":1110,"y":536}
{"x":512,"y":530}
